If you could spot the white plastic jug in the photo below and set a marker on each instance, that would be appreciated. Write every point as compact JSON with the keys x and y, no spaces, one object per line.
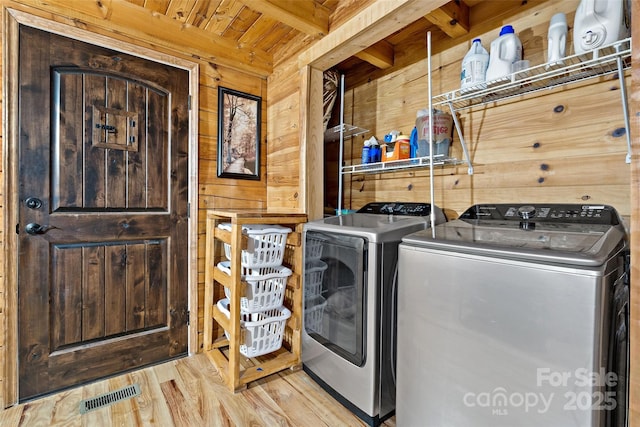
{"x":505,"y":50}
{"x":556,"y":40}
{"x":599,"y":23}
{"x":474,"y":67}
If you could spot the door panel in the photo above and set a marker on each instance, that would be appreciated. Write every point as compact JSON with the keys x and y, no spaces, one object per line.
{"x":123,"y":151}
{"x":125,"y":280}
{"x":102,"y":282}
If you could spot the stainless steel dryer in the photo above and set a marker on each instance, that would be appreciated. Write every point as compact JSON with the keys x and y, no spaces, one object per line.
{"x":348,"y":343}
{"x":514,"y":316}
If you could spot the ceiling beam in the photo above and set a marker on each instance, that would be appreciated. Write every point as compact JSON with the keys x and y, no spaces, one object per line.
{"x":304,"y":15}
{"x":380,"y":54}
{"x":367,"y":27}
{"x":485,"y":18}
{"x":452,"y":18}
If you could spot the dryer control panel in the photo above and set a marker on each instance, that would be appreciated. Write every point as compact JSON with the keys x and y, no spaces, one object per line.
{"x":562,"y":213}
{"x":397,"y":208}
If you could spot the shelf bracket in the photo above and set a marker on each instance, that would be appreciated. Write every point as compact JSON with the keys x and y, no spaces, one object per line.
{"x":462,"y":141}
{"x":625,"y":105}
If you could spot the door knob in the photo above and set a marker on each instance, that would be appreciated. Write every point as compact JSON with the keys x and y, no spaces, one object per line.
{"x":33,"y":228}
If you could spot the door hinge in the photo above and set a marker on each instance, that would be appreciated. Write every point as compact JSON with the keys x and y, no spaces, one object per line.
{"x":188,"y":209}
{"x":188,"y":317}
{"x":189,"y":102}
{"x":17,"y":228}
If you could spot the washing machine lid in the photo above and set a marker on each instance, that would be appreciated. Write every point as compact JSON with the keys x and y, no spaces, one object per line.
{"x":383,"y":222}
{"x":585,"y":235}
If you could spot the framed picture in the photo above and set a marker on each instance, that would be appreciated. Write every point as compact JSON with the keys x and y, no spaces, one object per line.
{"x":239,"y":122}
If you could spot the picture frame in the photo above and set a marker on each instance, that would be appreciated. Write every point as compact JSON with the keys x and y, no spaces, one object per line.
{"x":239,"y":125}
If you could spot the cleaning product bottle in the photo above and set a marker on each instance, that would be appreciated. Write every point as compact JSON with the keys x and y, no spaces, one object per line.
{"x":557,"y":40}
{"x":599,"y":23}
{"x":422,"y":127}
{"x":505,"y":50}
{"x":374,"y":150}
{"x":365,"y":152}
{"x":474,"y":67}
{"x":413,"y":142}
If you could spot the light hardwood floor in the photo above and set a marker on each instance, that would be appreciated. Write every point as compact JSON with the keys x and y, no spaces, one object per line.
{"x":189,"y":392}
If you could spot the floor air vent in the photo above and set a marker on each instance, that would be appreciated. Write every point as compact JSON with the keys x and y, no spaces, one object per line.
{"x":109,"y":398}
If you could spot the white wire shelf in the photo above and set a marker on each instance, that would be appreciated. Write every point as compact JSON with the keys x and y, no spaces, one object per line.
{"x":596,"y":63}
{"x":333,"y":134}
{"x":394,"y":165}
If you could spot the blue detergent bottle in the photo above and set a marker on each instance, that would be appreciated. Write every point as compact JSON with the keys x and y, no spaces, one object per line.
{"x":413,"y":143}
{"x":374,"y":151}
{"x":365,"y":152}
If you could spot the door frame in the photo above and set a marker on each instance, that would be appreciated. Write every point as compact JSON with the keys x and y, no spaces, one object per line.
{"x":12,"y":19}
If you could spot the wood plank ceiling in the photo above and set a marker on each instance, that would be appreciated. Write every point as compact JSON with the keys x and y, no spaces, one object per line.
{"x":268,"y":25}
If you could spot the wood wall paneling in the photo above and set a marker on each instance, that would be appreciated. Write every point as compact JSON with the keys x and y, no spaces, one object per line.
{"x":523,"y":150}
{"x":312,"y":158}
{"x":3,"y":243}
{"x":285,"y":149}
{"x":214,"y":192}
{"x":570,"y":150}
{"x":634,"y":107}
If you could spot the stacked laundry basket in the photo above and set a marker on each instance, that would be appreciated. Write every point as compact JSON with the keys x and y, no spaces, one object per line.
{"x":264,"y":280}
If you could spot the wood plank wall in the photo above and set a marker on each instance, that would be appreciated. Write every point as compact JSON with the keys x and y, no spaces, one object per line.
{"x":3,"y":295}
{"x":222,"y":193}
{"x":213,"y":192}
{"x":524,"y":151}
{"x":634,"y":107}
{"x":283,"y":135}
{"x":286,"y":180}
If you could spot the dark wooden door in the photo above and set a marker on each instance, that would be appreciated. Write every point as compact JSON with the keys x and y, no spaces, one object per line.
{"x":103,"y":232}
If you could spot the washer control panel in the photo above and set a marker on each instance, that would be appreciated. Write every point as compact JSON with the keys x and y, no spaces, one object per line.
{"x":397,"y":208}
{"x":572,"y":213}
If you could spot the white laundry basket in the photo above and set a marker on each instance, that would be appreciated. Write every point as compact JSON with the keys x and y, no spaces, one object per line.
{"x":263,"y":288}
{"x":261,"y":332}
{"x":265,"y":244}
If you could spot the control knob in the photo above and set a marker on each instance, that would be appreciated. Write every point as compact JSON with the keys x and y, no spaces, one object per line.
{"x":387,"y":208}
{"x":526,"y":212}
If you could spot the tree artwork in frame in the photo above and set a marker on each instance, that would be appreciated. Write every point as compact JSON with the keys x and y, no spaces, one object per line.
{"x":238,"y":134}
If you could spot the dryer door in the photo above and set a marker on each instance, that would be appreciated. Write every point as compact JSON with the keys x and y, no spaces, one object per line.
{"x":335,"y":283}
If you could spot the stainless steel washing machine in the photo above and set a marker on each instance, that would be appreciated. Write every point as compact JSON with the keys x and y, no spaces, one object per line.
{"x":514,"y":315}
{"x":348,"y":343}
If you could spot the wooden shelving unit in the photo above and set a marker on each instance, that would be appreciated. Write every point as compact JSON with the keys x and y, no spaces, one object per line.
{"x":223,"y":352}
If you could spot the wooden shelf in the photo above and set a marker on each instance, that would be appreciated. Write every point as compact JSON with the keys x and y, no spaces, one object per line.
{"x":223,"y":352}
